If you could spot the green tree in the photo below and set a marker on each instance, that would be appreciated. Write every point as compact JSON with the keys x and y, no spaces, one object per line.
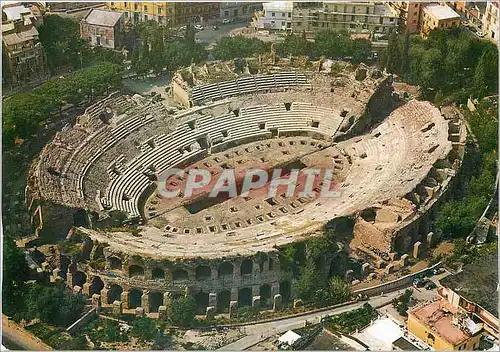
{"x":392,"y":57}
{"x":182,"y":311}
{"x":339,"y":290}
{"x":228,"y":48}
{"x":144,"y":328}
{"x":309,"y":282}
{"x":294,"y":45}
{"x":15,"y":272}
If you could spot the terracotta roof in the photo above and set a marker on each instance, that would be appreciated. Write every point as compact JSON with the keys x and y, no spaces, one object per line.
{"x":440,"y":321}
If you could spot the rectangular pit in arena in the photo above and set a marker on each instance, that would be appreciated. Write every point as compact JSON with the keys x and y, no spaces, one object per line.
{"x":203,"y":201}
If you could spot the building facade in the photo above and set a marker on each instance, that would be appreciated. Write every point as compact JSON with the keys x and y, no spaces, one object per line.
{"x":437,"y":16}
{"x":239,"y":10}
{"x":103,"y":28}
{"x":442,"y":328}
{"x":409,"y":15}
{"x":357,"y":17}
{"x":170,"y":14}
{"x":490,"y":21}
{"x":275,"y":15}
{"x":135,"y":12}
{"x":22,"y":51}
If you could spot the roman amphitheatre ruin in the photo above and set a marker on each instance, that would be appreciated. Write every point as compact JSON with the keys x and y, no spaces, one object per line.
{"x":393,"y":160}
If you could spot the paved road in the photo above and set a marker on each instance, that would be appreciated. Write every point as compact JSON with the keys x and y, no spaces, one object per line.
{"x":258,"y":332}
{"x":209,"y":36}
{"x":16,"y":337}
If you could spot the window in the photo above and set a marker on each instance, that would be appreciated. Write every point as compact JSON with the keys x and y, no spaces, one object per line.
{"x":353,"y":9}
{"x":335,"y":8}
{"x":299,"y":24}
{"x":235,"y":12}
{"x":126,"y":14}
{"x":367,"y":10}
{"x":273,"y":14}
{"x":352,"y":18}
{"x":145,"y":17}
{"x":381,"y":20}
{"x":352,"y":25}
{"x":283,"y":14}
{"x":125,"y":4}
{"x":135,"y":7}
{"x":226,"y":13}
{"x":112,"y":4}
{"x":391,"y":19}
{"x":289,"y":14}
{"x":159,"y":10}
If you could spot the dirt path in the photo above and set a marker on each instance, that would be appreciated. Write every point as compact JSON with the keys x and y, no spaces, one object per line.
{"x":21,"y":337}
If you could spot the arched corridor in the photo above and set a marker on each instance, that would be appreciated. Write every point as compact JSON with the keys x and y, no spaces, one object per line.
{"x":114,"y":293}
{"x":155,"y":301}
{"x":265,"y":295}
{"x":96,"y":285}
{"x":223,"y":301}
{"x":201,"y":299}
{"x":134,"y":298}
{"x":135,"y":270}
{"x":245,"y":297}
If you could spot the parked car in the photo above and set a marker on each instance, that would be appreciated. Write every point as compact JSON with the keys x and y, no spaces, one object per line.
{"x":182,"y":28}
{"x":225,"y":20}
{"x":214,"y":28}
{"x":198,"y":27}
{"x":430,"y":285}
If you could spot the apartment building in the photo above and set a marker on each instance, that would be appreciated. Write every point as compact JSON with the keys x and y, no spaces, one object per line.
{"x":409,"y":15}
{"x":239,"y":10}
{"x":276,"y":15}
{"x":134,"y":11}
{"x":490,"y":21}
{"x":437,"y":16}
{"x":22,"y":50}
{"x":103,"y":28}
{"x":356,"y":17}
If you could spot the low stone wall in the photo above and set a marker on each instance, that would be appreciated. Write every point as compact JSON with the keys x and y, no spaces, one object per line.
{"x":84,"y":319}
{"x":395,"y":284}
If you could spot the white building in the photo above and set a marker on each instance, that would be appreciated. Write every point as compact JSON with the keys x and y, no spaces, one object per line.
{"x":490,"y":21}
{"x":276,"y":15}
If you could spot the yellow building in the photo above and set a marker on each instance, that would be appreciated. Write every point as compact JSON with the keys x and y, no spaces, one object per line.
{"x":437,"y":16}
{"x":171,"y":14}
{"x":161,"y":12}
{"x":439,"y":327}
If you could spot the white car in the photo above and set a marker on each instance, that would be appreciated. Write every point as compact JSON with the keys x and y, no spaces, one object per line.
{"x":225,"y":21}
{"x":198,"y":27}
{"x":182,"y":28}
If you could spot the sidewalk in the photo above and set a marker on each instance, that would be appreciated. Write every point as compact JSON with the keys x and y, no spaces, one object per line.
{"x":22,"y":337}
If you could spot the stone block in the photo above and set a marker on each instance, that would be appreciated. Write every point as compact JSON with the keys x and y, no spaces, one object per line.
{"x":96,"y":302}
{"x":355,"y":282}
{"x":348,"y":275}
{"x":233,"y":307}
{"x":105,"y":296}
{"x":56,"y":272}
{"x":69,"y":279}
{"x":86,"y":288}
{"x":416,"y":249}
{"x":277,"y":302}
{"x":372,"y":276}
{"x":404,"y":259}
{"x":139,"y":312}
{"x":125,"y":299}
{"x":145,"y":301}
{"x":430,"y":239}
{"x":390,"y":268}
{"x":162,"y":312}
{"x":167,"y":299}
{"x":365,"y":268}
{"x":117,"y":307}
{"x":77,"y":290}
{"x":212,"y":299}
{"x":256,"y":302}
{"x":393,"y":256}
{"x":46,"y":266}
{"x":297,"y":303}
{"x":210,"y":313}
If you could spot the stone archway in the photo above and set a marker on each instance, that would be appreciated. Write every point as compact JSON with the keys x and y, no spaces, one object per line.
{"x":203,"y":272}
{"x":114,"y":293}
{"x":223,"y":301}
{"x":285,"y":290}
{"x":155,"y":301}
{"x":179,"y":274}
{"x":158,"y":273}
{"x":265,"y":295}
{"x":201,"y":299}
{"x":246,"y":267}
{"x":134,"y":298}
{"x":225,"y":269}
{"x":96,"y":285}
{"x":135,"y":270}
{"x":79,"y":278}
{"x":115,"y":263}
{"x":245,"y":297}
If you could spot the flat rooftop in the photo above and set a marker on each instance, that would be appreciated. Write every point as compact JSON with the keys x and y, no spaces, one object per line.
{"x":434,"y":316}
{"x":441,"y":12}
{"x":477,"y":282}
